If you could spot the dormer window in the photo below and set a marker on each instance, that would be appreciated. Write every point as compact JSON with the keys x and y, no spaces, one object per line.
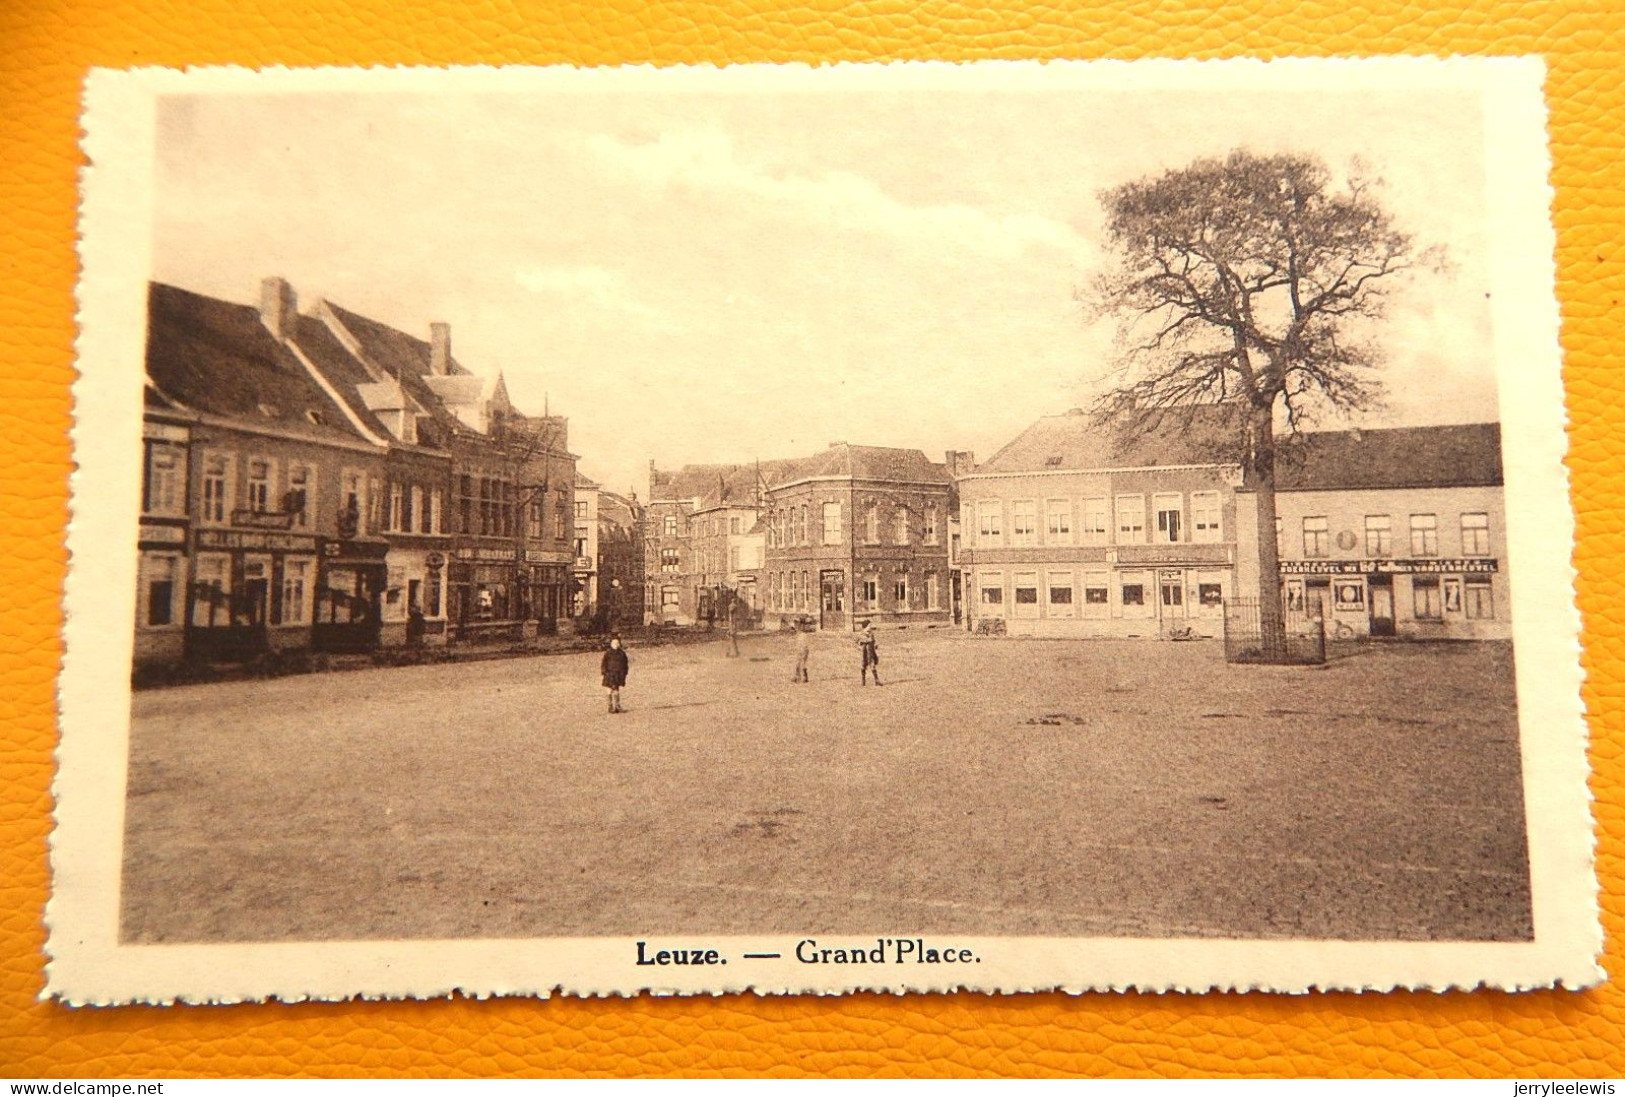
{"x":315,"y":417}
{"x":1052,"y":462}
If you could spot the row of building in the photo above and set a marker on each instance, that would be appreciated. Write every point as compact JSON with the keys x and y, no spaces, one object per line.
{"x":1070,"y":530}
{"x":318,"y":479}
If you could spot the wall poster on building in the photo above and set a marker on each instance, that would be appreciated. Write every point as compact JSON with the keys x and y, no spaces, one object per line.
{"x":401,"y":703}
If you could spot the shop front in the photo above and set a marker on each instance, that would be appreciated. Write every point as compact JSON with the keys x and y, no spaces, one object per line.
{"x":251,"y":590}
{"x":350,"y":595}
{"x":1423,"y":598}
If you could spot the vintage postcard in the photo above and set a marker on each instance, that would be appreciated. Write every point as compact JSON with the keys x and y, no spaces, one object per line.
{"x":783,"y":530}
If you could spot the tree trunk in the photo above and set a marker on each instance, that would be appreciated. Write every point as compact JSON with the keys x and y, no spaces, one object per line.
{"x":1272,"y":623}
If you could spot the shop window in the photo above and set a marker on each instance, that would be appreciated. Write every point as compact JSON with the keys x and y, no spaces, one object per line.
{"x":211,"y":588}
{"x":1096,"y":597}
{"x":161,"y":573}
{"x":993,"y":595}
{"x":1060,"y":594}
{"x":1095,"y":521}
{"x":1475,"y":534}
{"x":1058,"y":521}
{"x":1316,"y":536}
{"x":216,"y":487}
{"x":1379,"y":537}
{"x":1170,"y":513}
{"x":1023,"y":522}
{"x":1425,"y":601}
{"x":1206,"y":517}
{"x":1134,"y":594}
{"x":1424,"y":535}
{"x":1210,"y":595}
{"x":1130,"y":519}
{"x":832,"y":523}
{"x":1348,"y":595}
{"x":163,"y":488}
{"x":296,"y":589}
{"x":1478,"y":599}
{"x":1025,"y":594}
{"x":259,"y":485}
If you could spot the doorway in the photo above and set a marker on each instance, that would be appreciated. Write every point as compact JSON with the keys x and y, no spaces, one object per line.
{"x":1382,"y":605}
{"x":832,"y":599}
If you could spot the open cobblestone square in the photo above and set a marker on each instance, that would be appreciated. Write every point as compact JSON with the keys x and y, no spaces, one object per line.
{"x":1004,"y":787}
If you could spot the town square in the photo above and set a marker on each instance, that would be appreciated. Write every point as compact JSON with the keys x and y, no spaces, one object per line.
{"x":1010,"y":787}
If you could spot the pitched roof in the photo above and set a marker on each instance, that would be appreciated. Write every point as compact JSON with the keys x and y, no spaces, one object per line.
{"x":868,"y":463}
{"x":1464,"y":455}
{"x":394,"y":353}
{"x":217,"y":358}
{"x":1204,"y":435}
{"x":713,"y":485}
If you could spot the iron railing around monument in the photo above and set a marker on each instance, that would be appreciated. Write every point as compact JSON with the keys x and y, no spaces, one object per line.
{"x":1293,"y":639}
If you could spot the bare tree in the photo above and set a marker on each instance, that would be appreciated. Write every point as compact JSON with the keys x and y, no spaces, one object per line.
{"x":1249,"y":282}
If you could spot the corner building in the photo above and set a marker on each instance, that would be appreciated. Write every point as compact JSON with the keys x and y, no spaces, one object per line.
{"x":1397,"y":532}
{"x":859,"y":533}
{"x":1070,"y":530}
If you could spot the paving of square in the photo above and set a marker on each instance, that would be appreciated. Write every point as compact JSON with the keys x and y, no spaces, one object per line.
{"x":992,"y":786}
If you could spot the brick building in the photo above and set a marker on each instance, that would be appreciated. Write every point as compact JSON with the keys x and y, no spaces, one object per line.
{"x":858,"y":533}
{"x":1073,"y":530}
{"x":322,"y":480}
{"x":1391,"y":532}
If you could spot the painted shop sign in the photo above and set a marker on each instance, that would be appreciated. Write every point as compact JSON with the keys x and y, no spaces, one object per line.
{"x":499,"y":555}
{"x":1389,"y":567}
{"x":162,"y":535}
{"x":261,"y":519}
{"x":254,"y":539}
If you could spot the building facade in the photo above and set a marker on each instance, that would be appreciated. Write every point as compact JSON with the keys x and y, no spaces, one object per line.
{"x":1070,"y":530}
{"x":317,"y":480}
{"x":1398,"y":532}
{"x":858,"y":533}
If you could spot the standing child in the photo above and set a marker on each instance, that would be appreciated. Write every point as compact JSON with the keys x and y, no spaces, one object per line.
{"x":614,"y":669}
{"x":871,"y":652}
{"x":803,"y":654}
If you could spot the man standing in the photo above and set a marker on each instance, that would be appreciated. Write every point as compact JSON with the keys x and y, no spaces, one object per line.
{"x":614,"y":670}
{"x":803,"y":654}
{"x":871,"y":653}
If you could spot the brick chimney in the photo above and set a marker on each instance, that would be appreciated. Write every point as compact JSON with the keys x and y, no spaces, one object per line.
{"x":279,"y":308}
{"x":959,"y":462}
{"x":439,"y":349}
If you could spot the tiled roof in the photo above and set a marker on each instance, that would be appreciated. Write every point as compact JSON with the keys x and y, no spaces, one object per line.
{"x":396,"y":353}
{"x":869,"y":463}
{"x":737,"y":484}
{"x":1190,"y":436}
{"x":1465,"y":455}
{"x":217,"y":358}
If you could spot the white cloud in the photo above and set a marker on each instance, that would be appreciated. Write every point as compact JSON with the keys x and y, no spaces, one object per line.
{"x":706,"y":159}
{"x":598,"y":285}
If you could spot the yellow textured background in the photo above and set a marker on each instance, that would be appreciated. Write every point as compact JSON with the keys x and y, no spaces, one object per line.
{"x":45,"y":49}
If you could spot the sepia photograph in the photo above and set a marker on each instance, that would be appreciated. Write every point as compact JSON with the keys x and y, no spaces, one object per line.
{"x":819,"y":526}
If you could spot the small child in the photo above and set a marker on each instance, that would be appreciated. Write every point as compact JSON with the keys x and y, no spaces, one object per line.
{"x":871,"y":652}
{"x":614,"y":669}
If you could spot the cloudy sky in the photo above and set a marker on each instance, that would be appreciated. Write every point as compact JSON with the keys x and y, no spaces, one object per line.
{"x":720,"y":276}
